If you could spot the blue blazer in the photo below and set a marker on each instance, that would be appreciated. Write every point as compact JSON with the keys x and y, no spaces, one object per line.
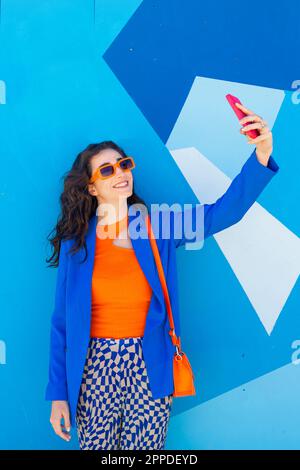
{"x":71,"y":318}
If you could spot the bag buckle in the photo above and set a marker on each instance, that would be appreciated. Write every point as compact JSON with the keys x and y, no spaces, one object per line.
{"x":178,"y":353}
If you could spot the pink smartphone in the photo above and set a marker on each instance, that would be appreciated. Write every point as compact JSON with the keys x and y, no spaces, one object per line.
{"x":240,"y":114}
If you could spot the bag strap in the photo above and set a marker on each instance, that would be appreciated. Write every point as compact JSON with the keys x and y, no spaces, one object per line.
{"x":175,"y":339}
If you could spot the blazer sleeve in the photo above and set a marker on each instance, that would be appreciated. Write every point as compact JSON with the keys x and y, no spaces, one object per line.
{"x":57,"y":382}
{"x":230,"y":207}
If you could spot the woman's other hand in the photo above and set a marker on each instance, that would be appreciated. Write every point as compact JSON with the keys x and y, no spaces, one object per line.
{"x":60,"y":409}
{"x":263,"y":142}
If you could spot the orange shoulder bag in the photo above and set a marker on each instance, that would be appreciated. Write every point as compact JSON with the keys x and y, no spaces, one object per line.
{"x":182,"y":372}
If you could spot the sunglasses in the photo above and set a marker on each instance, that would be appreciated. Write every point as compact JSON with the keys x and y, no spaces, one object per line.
{"x":109,"y":169}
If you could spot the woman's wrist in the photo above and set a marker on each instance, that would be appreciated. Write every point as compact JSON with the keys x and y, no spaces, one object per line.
{"x":263,"y":158}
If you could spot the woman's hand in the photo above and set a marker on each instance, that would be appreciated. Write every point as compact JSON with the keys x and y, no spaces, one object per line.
{"x":264,"y":142}
{"x":60,"y":409}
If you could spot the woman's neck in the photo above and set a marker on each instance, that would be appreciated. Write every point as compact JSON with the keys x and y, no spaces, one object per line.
{"x":111,"y":216}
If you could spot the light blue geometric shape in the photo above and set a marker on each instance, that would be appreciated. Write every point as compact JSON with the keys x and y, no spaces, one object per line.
{"x":208,"y":123}
{"x":261,"y":414}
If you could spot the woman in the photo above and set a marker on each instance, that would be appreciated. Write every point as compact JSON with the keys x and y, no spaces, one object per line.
{"x":111,"y":354}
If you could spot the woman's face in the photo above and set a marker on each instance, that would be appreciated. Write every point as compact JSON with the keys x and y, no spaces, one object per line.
{"x":105,"y":189}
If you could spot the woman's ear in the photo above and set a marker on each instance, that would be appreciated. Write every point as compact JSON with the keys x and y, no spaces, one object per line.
{"x":92,"y":190}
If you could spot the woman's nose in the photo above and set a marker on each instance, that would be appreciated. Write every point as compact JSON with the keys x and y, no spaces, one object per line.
{"x":119,"y":170}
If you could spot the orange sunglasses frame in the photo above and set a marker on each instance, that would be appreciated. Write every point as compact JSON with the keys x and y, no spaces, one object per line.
{"x":97,"y":173}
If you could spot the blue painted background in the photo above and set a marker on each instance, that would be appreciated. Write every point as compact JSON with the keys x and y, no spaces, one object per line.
{"x":82,"y":71}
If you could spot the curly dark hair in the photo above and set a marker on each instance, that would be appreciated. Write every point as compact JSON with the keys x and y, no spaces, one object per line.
{"x":77,"y":204}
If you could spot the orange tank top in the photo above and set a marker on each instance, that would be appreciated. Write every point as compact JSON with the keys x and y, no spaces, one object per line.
{"x":121,"y":293}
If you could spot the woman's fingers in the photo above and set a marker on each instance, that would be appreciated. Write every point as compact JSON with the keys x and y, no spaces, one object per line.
{"x":259,"y":138}
{"x":60,"y":410}
{"x":243,"y":108}
{"x":58,"y":430}
{"x":252,"y":121}
{"x":256,"y":125}
{"x":250,"y":118}
{"x":66,"y":416}
{"x":57,"y":426}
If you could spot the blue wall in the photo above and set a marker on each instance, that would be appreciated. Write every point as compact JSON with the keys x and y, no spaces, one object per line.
{"x":153,"y":77}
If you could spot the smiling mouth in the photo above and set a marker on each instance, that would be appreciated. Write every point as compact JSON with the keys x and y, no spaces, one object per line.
{"x":124,"y":184}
